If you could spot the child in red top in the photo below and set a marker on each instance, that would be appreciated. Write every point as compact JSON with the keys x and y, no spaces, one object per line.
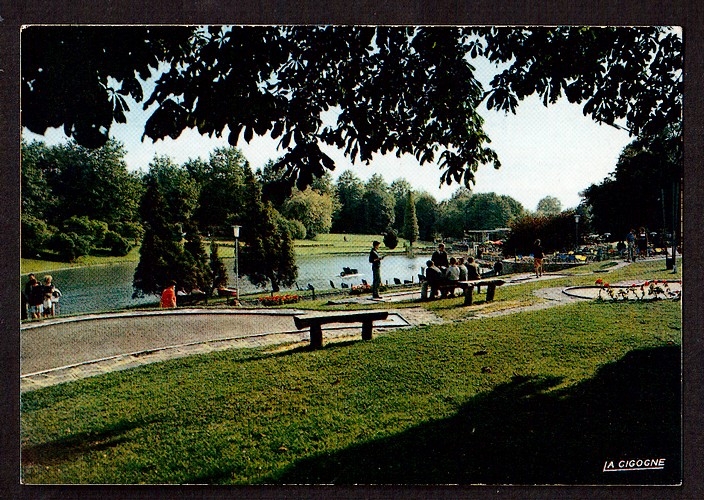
{"x":168,"y":296}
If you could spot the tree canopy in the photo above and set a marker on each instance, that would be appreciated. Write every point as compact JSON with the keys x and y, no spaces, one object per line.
{"x":396,"y":89}
{"x":468,"y":211}
{"x":77,"y":200}
{"x":642,"y":190}
{"x":549,"y":205}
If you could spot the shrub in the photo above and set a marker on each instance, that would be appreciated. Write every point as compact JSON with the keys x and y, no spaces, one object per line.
{"x":277,"y":300}
{"x":294,"y":227}
{"x":93,"y":230}
{"x":556,"y":233}
{"x":129,"y":230}
{"x":70,"y":246}
{"x":35,"y":235}
{"x":118,"y":245}
{"x":390,"y":239}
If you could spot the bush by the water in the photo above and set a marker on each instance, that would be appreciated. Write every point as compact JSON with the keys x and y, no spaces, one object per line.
{"x":391,"y":239}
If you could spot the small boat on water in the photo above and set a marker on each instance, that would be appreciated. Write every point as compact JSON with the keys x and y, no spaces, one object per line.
{"x":348,"y":272}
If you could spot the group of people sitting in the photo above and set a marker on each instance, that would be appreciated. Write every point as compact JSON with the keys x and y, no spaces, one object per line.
{"x":442,"y":271}
{"x":40,"y":299}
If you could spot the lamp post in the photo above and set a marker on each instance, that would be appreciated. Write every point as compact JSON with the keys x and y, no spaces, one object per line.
{"x":576,"y":232}
{"x":236,"y":231}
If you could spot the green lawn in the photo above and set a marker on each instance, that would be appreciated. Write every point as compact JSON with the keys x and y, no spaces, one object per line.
{"x":45,"y":264}
{"x":541,"y":397}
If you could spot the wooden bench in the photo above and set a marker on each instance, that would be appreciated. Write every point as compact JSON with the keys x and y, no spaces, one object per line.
{"x":232,"y":298}
{"x":468,"y":286}
{"x":316,"y":320}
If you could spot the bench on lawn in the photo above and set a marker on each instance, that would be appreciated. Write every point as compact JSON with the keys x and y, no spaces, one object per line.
{"x":468,"y":286}
{"x":316,"y":320}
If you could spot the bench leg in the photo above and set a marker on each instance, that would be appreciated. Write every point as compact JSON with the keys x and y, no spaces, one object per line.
{"x":316,"y":336}
{"x":468,"y":296}
{"x":366,"y":330}
{"x":490,"y":289}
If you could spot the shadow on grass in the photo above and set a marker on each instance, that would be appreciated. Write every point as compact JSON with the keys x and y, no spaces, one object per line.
{"x":277,"y":351}
{"x":78,"y":444}
{"x":525,"y":433}
{"x":304,"y":348}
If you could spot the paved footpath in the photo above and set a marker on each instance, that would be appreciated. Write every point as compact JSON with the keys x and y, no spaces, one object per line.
{"x":65,"y":349}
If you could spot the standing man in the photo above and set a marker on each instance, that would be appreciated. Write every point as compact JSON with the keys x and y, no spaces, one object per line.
{"x":439,"y":257}
{"x":538,"y":258}
{"x":375,"y":260}
{"x":631,"y":243}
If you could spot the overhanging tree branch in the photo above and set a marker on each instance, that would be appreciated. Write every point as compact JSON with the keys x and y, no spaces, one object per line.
{"x":402,"y":90}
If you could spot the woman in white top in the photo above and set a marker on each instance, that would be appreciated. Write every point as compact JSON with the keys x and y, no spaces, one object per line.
{"x":55,"y":296}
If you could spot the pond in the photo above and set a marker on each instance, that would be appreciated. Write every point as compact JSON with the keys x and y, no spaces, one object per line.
{"x":103,"y":288}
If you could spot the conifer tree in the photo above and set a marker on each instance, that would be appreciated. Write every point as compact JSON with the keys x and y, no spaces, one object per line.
{"x":410,"y":221}
{"x":160,"y":250}
{"x":218,"y":271}
{"x":267,"y":256}
{"x":165,"y":255}
{"x":194,"y":272}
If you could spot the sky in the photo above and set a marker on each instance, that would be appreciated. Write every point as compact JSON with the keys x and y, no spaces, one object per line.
{"x":554,"y":151}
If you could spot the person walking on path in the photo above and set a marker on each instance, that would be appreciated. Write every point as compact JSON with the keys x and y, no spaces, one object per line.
{"x":631,"y":244}
{"x":538,"y":256}
{"x":375,"y":260}
{"x":168,"y":296}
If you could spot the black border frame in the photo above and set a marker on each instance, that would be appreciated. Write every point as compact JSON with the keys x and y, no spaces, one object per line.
{"x":687,"y":14}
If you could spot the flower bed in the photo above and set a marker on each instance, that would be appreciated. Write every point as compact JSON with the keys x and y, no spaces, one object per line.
{"x":360,"y":289}
{"x":277,"y":300}
{"x":648,"y":290}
